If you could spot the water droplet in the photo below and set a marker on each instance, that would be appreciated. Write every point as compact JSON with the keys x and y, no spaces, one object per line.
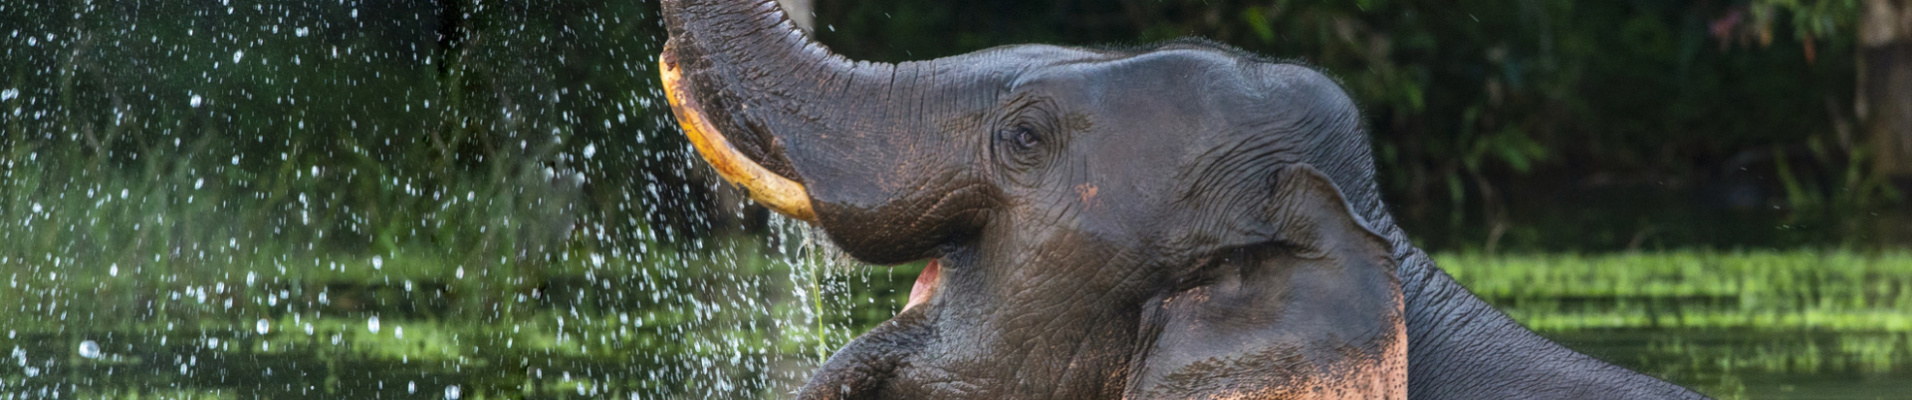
{"x":113,"y":270}
{"x":237,"y":55}
{"x":372,"y":324}
{"x":262,"y":326}
{"x":590,"y":150}
{"x":89,"y":349}
{"x":199,"y":183}
{"x":378,"y":263}
{"x":452,"y":392}
{"x":194,"y":101}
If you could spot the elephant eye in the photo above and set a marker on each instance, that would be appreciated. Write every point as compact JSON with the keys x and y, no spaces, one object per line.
{"x":1021,"y":136}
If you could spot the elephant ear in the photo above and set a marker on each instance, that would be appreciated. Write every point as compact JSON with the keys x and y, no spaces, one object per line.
{"x":1314,"y":313}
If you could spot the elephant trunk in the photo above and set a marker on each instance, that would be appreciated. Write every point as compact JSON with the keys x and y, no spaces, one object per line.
{"x":815,"y":135}
{"x":727,"y":57}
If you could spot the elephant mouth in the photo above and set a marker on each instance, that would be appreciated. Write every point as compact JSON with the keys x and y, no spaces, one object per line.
{"x":926,"y":284}
{"x":776,"y":192}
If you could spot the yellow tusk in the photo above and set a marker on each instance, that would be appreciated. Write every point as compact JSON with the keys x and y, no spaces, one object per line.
{"x":776,"y":192}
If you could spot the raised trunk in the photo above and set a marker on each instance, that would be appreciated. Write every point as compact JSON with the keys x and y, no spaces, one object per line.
{"x":752,"y":71}
{"x":1885,"y":84}
{"x":867,"y":143}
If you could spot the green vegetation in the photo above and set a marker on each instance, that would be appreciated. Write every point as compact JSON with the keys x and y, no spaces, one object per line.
{"x":1804,"y":290}
{"x":1740,"y":324}
{"x":727,"y":321}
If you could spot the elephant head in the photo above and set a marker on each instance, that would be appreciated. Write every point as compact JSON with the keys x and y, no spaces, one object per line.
{"x":1166,"y":222}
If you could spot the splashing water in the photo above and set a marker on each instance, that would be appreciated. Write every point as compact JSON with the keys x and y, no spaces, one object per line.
{"x":505,"y":191}
{"x":89,"y":349}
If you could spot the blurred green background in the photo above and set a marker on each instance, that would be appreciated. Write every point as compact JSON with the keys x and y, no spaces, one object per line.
{"x":488,"y":199}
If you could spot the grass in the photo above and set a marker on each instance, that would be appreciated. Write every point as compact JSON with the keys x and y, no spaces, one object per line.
{"x":1751,"y":324}
{"x":679,"y":326}
{"x":1804,"y":290}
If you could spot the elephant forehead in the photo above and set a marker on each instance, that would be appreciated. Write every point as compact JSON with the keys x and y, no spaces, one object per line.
{"x":1145,"y":162}
{"x":1171,"y":80}
{"x":1199,"y":111}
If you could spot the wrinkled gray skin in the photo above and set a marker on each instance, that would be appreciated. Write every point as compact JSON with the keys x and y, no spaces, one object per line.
{"x":1184,"y":221}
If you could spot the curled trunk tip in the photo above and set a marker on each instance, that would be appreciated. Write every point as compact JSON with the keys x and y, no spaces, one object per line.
{"x":780,"y":194}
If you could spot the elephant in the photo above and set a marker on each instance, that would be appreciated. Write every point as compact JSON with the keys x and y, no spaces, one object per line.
{"x":1182,"y":220}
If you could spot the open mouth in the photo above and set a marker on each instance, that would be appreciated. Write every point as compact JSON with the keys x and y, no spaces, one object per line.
{"x":925,"y":287}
